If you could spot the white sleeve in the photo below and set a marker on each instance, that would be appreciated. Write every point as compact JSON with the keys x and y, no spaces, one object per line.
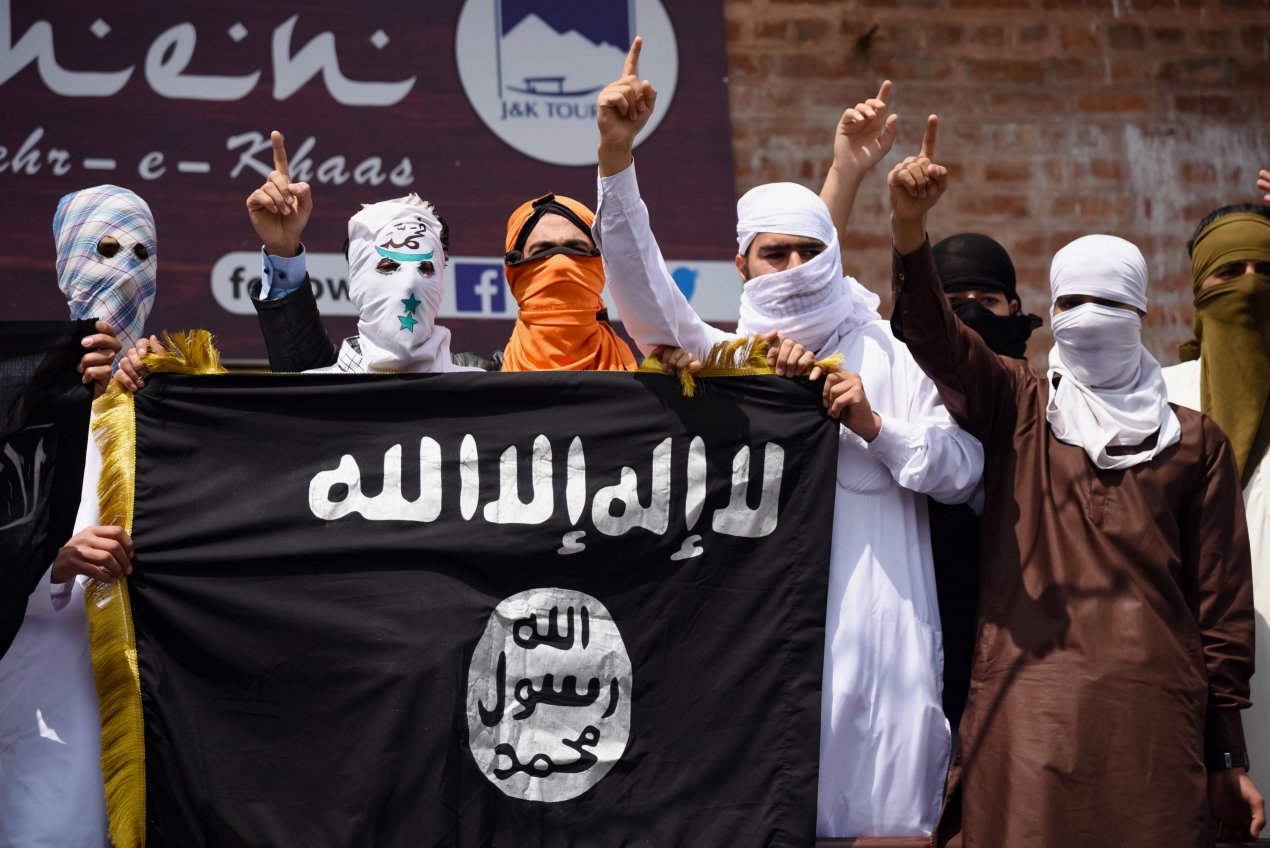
{"x":926,"y":451}
{"x":89,"y":513}
{"x":649,"y":303}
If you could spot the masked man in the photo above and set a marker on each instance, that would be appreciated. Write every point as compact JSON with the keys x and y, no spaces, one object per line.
{"x":396,"y":268}
{"x":883,"y":738}
{"x":51,"y":791}
{"x":1225,"y":373}
{"x":1115,"y":633}
{"x":978,"y":278}
{"x":556,"y":275}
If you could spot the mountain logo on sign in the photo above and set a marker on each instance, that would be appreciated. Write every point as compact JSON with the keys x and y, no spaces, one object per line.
{"x":561,"y":49}
{"x":532,"y":68}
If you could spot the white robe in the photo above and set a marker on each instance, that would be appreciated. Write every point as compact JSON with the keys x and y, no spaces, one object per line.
{"x":884,"y":741}
{"x":51,"y":792}
{"x":1182,"y":382}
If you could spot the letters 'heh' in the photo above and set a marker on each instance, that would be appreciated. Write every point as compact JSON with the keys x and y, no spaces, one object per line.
{"x":336,"y":493}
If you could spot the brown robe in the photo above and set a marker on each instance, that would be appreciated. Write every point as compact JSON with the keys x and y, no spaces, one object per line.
{"x":1115,"y":616}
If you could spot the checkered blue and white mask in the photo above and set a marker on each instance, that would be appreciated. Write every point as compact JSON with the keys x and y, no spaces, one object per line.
{"x":112,"y":284}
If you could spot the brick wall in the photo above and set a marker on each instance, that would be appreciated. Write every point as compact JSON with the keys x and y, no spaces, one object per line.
{"x":1058,"y":118}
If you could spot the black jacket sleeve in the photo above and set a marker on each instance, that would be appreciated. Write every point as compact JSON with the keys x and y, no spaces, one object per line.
{"x":295,"y":337}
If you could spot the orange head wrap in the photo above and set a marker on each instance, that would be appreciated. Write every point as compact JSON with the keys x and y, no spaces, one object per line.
{"x":561,"y":326}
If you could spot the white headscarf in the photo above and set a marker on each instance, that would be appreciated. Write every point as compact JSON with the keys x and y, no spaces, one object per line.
{"x":1111,"y":392}
{"x":118,"y":289}
{"x":396,"y":309}
{"x":814,"y":303}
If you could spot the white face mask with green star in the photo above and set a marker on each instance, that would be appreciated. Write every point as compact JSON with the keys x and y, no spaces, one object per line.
{"x":396,"y":269}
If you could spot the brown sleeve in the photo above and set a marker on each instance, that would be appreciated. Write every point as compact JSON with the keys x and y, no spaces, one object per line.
{"x":1218,"y":561}
{"x":974,"y":383}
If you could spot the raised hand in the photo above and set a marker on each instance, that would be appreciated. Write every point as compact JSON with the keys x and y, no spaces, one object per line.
{"x":1263,"y":184}
{"x":280,"y":209}
{"x":623,"y":109}
{"x":864,"y":134}
{"x":915,"y":186}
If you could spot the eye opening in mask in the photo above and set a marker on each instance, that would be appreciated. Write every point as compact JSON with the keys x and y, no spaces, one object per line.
{"x":387,"y":266}
{"x":427,"y":268}
{"x":141,"y":252}
{"x":108,"y":246}
{"x":516,"y":257}
{"x":1237,"y":268}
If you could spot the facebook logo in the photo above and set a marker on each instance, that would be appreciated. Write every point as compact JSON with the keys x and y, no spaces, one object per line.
{"x":479,"y":288}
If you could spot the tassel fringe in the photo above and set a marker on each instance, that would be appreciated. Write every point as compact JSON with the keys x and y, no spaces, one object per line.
{"x":110,"y":633}
{"x":111,"y":636}
{"x":188,"y":352}
{"x":739,"y":357}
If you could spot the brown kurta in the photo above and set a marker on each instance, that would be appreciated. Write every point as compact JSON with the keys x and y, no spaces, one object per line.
{"x":1115,"y":615}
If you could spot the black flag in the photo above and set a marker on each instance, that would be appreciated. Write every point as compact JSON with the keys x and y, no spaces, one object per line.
{"x":479,"y":610}
{"x":44,"y":409}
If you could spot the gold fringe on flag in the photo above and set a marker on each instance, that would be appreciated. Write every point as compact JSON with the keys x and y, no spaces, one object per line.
{"x":739,"y":357}
{"x":111,"y":636}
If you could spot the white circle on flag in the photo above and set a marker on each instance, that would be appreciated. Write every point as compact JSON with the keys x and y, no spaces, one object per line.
{"x":548,"y":695}
{"x":532,"y":71}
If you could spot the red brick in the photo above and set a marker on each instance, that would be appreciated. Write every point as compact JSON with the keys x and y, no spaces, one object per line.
{"x":1168,"y":36}
{"x":1072,"y":70}
{"x":1198,"y":172}
{"x":1005,"y":70}
{"x":944,"y":35}
{"x":1256,"y":39}
{"x":1092,"y":209}
{"x":1253,"y":75}
{"x":1078,"y":38}
{"x":1221,"y":106}
{"x":771,"y":29}
{"x":810,"y":29}
{"x":1126,"y":36}
{"x":1033,"y":34}
{"x":1216,"y":39}
{"x":1108,"y":169}
{"x":991,"y":205}
{"x":1107,"y":101}
{"x":1007,"y":171}
{"x":1211,"y":71}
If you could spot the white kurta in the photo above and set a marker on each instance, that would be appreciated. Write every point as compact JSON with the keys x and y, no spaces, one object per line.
{"x":1182,"y":382}
{"x":884,"y":741}
{"x":51,"y":793}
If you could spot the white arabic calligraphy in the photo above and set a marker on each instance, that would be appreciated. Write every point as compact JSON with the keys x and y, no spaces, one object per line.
{"x":616,"y":509}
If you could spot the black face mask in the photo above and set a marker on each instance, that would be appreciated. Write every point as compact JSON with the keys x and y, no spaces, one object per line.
{"x":1005,"y":335}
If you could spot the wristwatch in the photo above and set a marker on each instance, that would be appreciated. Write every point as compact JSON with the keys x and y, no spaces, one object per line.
{"x":1228,"y":760}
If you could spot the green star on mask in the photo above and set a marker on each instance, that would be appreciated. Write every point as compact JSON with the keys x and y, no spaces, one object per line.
{"x":407,"y":322}
{"x":411,"y":303}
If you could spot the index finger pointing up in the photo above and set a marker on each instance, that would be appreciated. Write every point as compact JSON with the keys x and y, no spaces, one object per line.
{"x":928,"y":140}
{"x":631,"y":68}
{"x":280,"y":154}
{"x":884,"y":92}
